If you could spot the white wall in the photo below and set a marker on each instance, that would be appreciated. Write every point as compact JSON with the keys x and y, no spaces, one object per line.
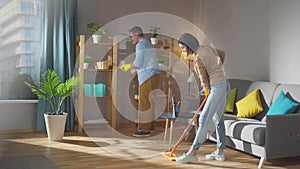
{"x":285,"y":41}
{"x":18,"y":115}
{"x":103,"y":11}
{"x":241,"y":29}
{"x":260,"y":37}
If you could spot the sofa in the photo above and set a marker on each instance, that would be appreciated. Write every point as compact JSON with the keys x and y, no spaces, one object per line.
{"x":263,"y":135}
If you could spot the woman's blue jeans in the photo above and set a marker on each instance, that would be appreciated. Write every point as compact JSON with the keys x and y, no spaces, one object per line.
{"x":212,"y":116}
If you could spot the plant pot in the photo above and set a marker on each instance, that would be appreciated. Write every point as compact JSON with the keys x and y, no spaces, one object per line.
{"x":86,"y":65}
{"x":55,"y":125}
{"x":96,"y":38}
{"x":154,"y":41}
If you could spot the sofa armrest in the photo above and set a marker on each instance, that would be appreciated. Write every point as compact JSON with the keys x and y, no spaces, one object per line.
{"x":282,"y":136}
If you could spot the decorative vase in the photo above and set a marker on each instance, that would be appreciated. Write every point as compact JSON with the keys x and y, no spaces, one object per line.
{"x":55,"y":125}
{"x":154,"y":41}
{"x":96,"y":38}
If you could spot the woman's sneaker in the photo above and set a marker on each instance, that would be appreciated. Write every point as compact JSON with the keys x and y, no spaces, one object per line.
{"x":215,"y":156}
{"x":185,"y":158}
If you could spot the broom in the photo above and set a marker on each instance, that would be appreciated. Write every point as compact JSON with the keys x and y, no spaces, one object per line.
{"x":171,"y":155}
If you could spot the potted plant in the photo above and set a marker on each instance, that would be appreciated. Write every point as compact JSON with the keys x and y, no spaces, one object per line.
{"x":87,"y":59}
{"x":97,"y":31}
{"x":55,"y":92}
{"x":154,"y":32}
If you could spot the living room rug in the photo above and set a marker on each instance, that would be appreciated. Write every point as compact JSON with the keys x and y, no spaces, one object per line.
{"x":37,"y":161}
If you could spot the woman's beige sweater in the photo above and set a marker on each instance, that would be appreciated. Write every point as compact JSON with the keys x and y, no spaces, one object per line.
{"x":208,"y":65}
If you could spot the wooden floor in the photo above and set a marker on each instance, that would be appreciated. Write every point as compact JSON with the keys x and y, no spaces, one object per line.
{"x":83,"y":152}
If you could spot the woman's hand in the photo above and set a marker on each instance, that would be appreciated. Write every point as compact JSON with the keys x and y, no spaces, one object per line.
{"x":206,"y":90}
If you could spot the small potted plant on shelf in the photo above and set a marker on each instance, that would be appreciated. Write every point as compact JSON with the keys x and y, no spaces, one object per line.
{"x":154,"y":32}
{"x":55,"y":92}
{"x":87,"y":59}
{"x":97,"y":31}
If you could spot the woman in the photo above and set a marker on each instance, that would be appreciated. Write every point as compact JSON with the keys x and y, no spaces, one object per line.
{"x":208,"y":65}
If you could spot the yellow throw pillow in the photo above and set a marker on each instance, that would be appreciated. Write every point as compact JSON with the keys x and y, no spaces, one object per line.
{"x":229,"y":107}
{"x":250,"y":105}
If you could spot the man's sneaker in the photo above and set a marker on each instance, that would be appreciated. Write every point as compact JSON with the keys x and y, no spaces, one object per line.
{"x":186,"y":158}
{"x":141,"y":134}
{"x":215,"y":156}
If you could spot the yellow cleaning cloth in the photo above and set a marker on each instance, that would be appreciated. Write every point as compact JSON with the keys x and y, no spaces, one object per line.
{"x":206,"y":92}
{"x":125,"y":67}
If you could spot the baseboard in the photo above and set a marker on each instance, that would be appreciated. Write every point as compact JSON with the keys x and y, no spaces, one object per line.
{"x":17,"y":131}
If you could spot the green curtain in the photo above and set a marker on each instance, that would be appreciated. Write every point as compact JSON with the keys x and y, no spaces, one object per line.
{"x":59,"y":50}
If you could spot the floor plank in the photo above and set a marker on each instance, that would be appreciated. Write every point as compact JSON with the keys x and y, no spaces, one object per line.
{"x":81,"y":152}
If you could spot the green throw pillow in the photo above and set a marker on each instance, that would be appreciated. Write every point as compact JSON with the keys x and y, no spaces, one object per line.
{"x":230,"y":101}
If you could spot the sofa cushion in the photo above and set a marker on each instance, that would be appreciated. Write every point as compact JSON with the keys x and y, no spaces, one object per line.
{"x":250,"y":130}
{"x":282,"y":105}
{"x":267,"y":91}
{"x":291,"y":90}
{"x":230,"y":101}
{"x":250,"y":105}
{"x":244,"y":87}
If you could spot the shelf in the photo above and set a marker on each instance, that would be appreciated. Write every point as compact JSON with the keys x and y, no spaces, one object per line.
{"x":108,"y":96}
{"x":101,"y":43}
{"x":104,"y":42}
{"x":99,"y":70}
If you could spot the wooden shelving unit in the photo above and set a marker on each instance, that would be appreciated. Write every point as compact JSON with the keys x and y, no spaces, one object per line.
{"x":101,"y":75}
{"x":168,"y":49}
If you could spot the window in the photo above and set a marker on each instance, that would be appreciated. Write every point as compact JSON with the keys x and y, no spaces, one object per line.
{"x":27,"y":6}
{"x":20,"y":44}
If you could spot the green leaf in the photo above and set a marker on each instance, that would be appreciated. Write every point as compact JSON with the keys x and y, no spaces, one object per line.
{"x":52,"y":90}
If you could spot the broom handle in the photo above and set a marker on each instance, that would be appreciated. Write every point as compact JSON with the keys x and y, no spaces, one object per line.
{"x":188,"y":126}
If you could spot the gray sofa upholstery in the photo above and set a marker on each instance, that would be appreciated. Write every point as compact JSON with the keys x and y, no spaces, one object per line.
{"x":267,"y":137}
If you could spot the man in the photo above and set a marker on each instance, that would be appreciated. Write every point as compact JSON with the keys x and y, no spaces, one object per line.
{"x":148,"y":78}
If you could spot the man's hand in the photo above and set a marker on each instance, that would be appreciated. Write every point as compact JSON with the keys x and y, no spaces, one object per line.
{"x":125,"y":67}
